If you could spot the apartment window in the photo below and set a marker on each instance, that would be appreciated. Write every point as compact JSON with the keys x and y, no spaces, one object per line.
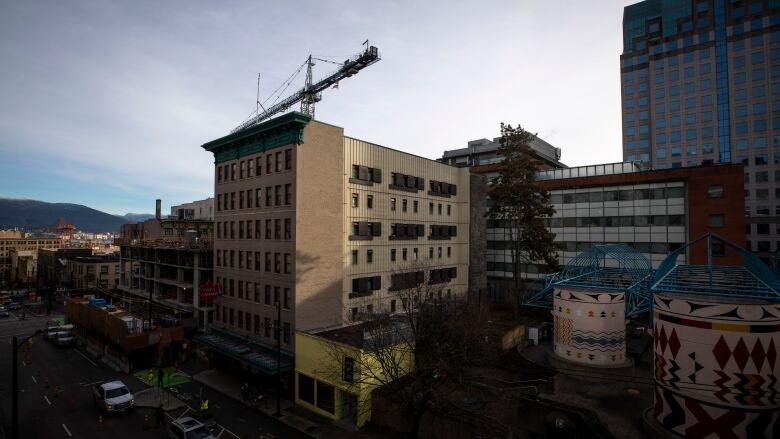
{"x":258,"y":197}
{"x":449,"y":252}
{"x":278,"y":194}
{"x":449,"y":209}
{"x":232,"y":313}
{"x":288,"y":159}
{"x":277,"y":228}
{"x":415,"y":206}
{"x":287,"y":299}
{"x":268,"y":196}
{"x":392,"y":255}
{"x":219,"y":201}
{"x":250,"y":168}
{"x":241,"y":288}
{"x":369,"y":201}
{"x":267,"y":262}
{"x":232,"y":284}
{"x":249,"y":198}
{"x":233,"y":172}
{"x":219,"y":174}
{"x":277,"y":262}
{"x":232,"y":201}
{"x":369,"y":256}
{"x":240,"y":260}
{"x":355,"y":200}
{"x":240,"y":230}
{"x":269,"y":163}
{"x":249,"y":229}
{"x":717,"y":220}
{"x":232,"y":230}
{"x":258,"y":167}
{"x":257,"y":261}
{"x":439,"y":252}
{"x":430,"y":208}
{"x":267,"y":298}
{"x":415,"y":254}
{"x":242,"y":170}
{"x":430,"y":252}
{"x":403,"y":254}
{"x":287,"y":340}
{"x":279,"y":161}
{"x":404,"y":204}
{"x":354,"y":257}
{"x":392,"y":203}
{"x":287,"y":263}
{"x":258,"y":229}
{"x":287,"y":228}
{"x":287,"y":194}
{"x":257,"y":297}
{"x":267,"y":229}
{"x":267,"y":329}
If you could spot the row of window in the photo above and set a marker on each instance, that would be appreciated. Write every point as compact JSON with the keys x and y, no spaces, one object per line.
{"x":274,"y":262}
{"x":266,"y":294}
{"x":364,"y":286}
{"x":248,"y":322}
{"x":619,"y":195}
{"x":409,"y":183}
{"x":274,"y":162}
{"x":617,"y":221}
{"x":273,"y":229}
{"x":365,"y":230}
{"x":253,"y":198}
{"x":578,"y":247}
{"x":415,"y":254}
{"x":355,"y":202}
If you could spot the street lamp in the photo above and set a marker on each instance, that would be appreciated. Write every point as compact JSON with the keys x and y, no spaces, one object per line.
{"x":15,"y":383}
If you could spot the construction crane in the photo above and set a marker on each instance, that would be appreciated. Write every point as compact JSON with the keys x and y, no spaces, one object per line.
{"x":311,"y":93}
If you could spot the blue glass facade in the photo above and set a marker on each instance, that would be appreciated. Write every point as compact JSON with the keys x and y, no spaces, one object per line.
{"x":722,"y":82}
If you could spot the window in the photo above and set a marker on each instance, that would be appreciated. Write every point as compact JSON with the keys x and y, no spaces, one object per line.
{"x":288,"y":159}
{"x":716,"y":220}
{"x":715,"y":191}
{"x":370,"y":201}
{"x":288,"y":194}
{"x":349,"y":369}
{"x":392,"y":255}
{"x":392,"y":204}
{"x":354,"y":257}
{"x":415,"y":205}
{"x":404,"y":205}
{"x":355,"y":200}
{"x":369,"y":256}
{"x":279,"y":161}
{"x":287,"y":298}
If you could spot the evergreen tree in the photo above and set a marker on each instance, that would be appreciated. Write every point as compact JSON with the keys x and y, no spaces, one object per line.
{"x":522,"y":204}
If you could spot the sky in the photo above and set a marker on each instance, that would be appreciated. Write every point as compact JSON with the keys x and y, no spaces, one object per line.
{"x":106,"y":103}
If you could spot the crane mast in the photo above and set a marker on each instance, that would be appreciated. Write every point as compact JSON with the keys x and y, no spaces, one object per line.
{"x":311,"y":92}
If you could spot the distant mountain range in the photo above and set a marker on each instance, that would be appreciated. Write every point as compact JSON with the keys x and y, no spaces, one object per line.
{"x":138,"y":217}
{"x":37,"y":214}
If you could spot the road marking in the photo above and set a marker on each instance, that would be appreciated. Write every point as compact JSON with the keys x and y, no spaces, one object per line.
{"x":90,"y":384}
{"x":66,"y":430}
{"x":47,"y":399}
{"x":85,"y":357}
{"x":34,"y":380}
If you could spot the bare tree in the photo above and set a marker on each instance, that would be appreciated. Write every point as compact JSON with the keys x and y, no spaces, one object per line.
{"x":420,"y":355}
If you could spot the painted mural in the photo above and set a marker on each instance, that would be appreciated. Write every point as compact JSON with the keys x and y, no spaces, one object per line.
{"x":589,"y":326}
{"x":716,"y":367}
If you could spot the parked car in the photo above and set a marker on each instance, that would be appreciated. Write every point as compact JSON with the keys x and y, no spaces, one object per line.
{"x":4,"y":312}
{"x":14,"y":306}
{"x":113,"y":397}
{"x":189,"y":428}
{"x":64,"y":338}
{"x":51,"y":331}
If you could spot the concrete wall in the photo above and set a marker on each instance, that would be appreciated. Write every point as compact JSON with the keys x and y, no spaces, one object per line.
{"x":318,"y":225}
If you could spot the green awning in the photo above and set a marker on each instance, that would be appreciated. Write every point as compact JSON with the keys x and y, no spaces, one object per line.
{"x":246,"y":350}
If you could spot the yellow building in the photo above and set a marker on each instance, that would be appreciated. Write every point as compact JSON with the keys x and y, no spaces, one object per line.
{"x":337,"y":370}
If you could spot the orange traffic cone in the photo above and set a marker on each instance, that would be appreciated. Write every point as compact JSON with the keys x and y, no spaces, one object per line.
{"x":100,"y":422}
{"x":146,"y":421}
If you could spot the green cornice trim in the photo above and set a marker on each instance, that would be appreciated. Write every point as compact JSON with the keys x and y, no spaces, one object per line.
{"x":283,"y":130}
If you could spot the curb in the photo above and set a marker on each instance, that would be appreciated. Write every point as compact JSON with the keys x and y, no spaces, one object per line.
{"x":283,"y":419}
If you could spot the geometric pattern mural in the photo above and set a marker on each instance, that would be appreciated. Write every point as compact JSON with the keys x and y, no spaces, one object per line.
{"x":717,"y":367}
{"x":589,"y":326}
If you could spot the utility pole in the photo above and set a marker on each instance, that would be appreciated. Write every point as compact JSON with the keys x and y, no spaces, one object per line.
{"x":15,"y":383}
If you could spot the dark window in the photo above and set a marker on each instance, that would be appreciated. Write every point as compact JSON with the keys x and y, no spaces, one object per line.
{"x":717,"y":220}
{"x":305,"y":388}
{"x":715,"y":191}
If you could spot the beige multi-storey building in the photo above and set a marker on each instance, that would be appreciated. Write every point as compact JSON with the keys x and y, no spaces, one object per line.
{"x":331,"y":226}
{"x":19,"y":244}
{"x":91,"y":272}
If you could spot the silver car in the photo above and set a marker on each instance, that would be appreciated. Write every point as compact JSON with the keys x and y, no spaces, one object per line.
{"x":189,"y":428}
{"x":4,"y":312}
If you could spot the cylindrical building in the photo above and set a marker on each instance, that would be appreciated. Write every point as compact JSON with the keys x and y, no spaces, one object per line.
{"x":589,"y":326}
{"x":716,"y":366}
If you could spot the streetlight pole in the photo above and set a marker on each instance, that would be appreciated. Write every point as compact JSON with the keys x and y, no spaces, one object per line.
{"x":15,"y":383}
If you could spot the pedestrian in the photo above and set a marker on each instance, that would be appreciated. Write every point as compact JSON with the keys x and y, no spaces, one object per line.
{"x":159,"y":416}
{"x":243,"y":392}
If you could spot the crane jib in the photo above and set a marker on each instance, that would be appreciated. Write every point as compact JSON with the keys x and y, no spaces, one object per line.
{"x":350,"y":67}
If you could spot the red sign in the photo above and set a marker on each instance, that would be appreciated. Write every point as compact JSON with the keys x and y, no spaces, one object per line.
{"x":208,"y":291}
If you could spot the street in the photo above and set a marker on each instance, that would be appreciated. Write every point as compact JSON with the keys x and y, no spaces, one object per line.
{"x":55,"y":397}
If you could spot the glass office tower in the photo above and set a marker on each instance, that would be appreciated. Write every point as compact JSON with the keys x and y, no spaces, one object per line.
{"x":701,"y":83}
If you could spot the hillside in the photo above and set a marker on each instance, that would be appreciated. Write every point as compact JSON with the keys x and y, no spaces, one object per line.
{"x":138,"y":217}
{"x":33,"y":214}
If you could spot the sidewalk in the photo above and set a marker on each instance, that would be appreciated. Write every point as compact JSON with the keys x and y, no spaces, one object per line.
{"x":293,"y":416}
